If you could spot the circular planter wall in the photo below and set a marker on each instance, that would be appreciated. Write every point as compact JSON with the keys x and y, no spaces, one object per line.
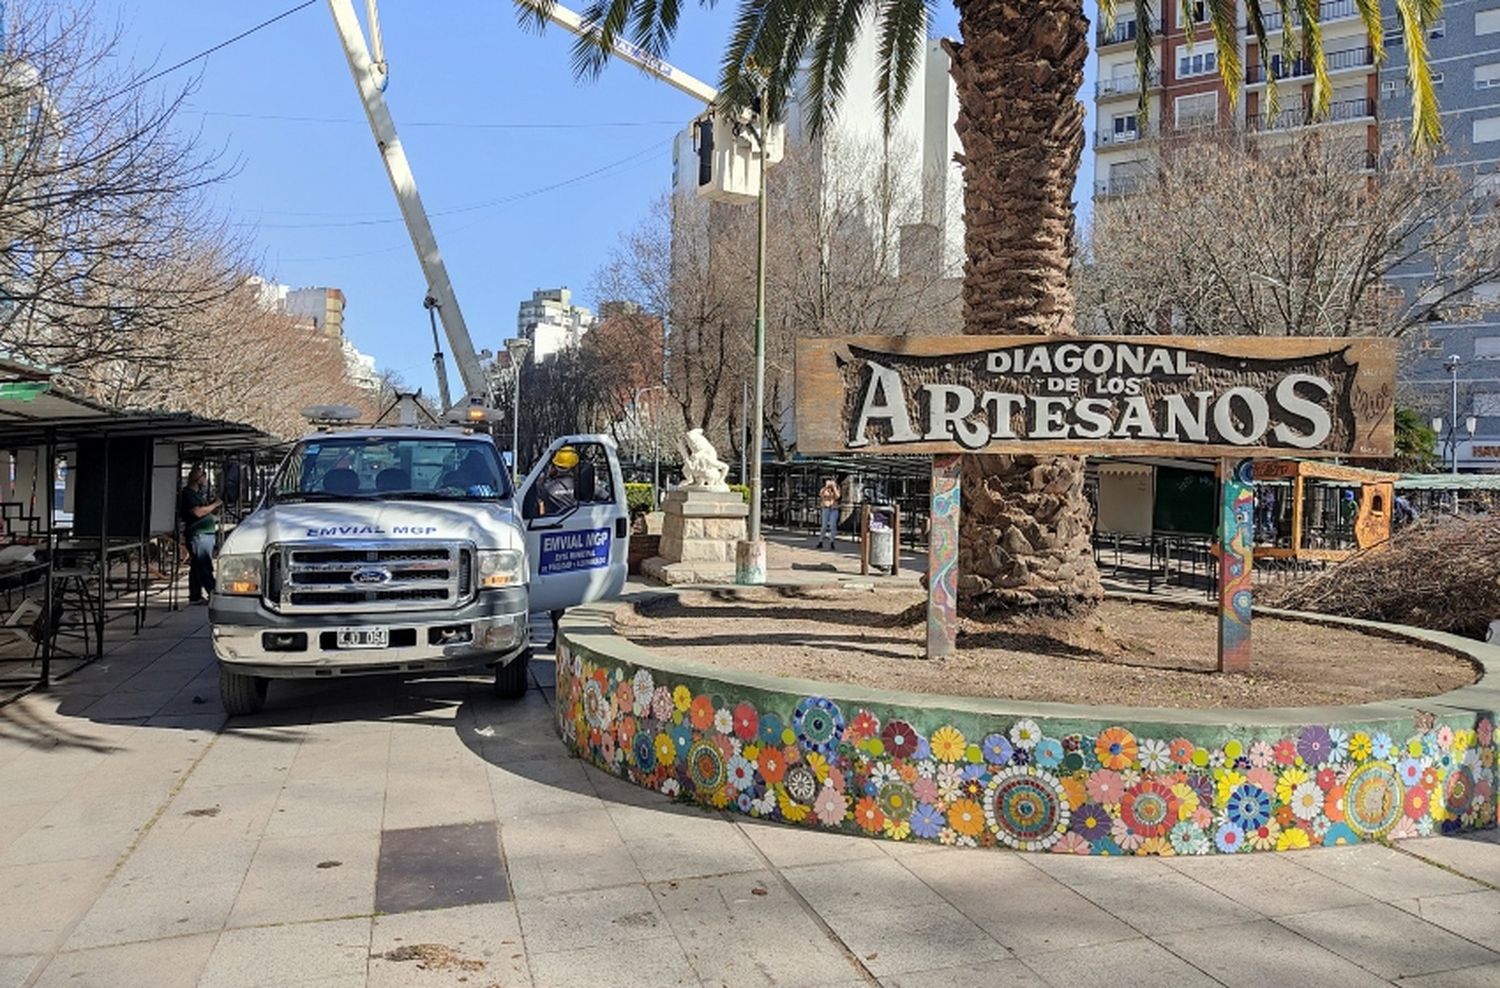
{"x":1030,"y":776}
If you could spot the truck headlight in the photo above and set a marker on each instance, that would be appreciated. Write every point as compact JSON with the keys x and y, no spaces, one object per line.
{"x":238,"y":574}
{"x":500,"y":568}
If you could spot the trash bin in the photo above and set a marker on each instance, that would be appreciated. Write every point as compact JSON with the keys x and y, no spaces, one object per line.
{"x":882,"y":537}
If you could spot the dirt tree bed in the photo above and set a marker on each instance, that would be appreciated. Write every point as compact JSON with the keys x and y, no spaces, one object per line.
{"x":1128,"y":653}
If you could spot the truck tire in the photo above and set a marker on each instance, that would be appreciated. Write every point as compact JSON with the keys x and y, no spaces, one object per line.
{"x":514,"y":678}
{"x":241,"y":695}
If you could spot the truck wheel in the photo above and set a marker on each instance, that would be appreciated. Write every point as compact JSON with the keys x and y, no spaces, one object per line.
{"x":241,"y":695}
{"x":513,"y":679}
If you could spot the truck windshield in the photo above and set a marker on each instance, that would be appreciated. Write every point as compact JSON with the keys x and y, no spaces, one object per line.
{"x":337,"y":468}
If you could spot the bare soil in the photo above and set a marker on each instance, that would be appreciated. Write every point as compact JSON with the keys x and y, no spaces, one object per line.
{"x":1125,"y":653}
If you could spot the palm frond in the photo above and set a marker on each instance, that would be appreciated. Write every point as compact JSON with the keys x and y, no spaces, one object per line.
{"x":1107,"y":13}
{"x":830,"y":61}
{"x":1369,"y":12}
{"x":903,"y":36}
{"x":603,"y":22}
{"x":1312,"y":51}
{"x":1257,"y":22}
{"x":1185,"y":18}
{"x":1288,"y":11}
{"x":1416,"y":17}
{"x":1224,"y":22}
{"x":1145,"y":58}
{"x":532,"y":14}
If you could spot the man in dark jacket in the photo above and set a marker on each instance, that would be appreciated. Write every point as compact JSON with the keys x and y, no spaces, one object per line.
{"x":196,"y":507}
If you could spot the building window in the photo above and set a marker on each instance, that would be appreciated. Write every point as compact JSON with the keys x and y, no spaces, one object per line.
{"x":1200,"y":110}
{"x":1487,"y":76}
{"x":1487,"y":21}
{"x":1437,"y":80}
{"x":1125,"y":127}
{"x":1388,"y":88}
{"x":1438,"y":30}
{"x":1204,"y":61}
{"x":1486,"y":404}
{"x":1487,"y":348}
{"x":1486,"y":129}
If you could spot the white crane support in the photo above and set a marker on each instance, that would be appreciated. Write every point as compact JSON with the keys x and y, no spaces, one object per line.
{"x":672,"y":76}
{"x":369,"y":78}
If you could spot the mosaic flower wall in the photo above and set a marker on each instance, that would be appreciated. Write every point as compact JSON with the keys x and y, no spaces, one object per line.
{"x":957,"y":779}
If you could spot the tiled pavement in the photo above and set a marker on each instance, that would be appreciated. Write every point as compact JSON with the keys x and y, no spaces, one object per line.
{"x":144,"y":842}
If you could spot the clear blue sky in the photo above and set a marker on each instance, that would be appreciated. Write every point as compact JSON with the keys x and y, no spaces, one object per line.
{"x":311,"y":192}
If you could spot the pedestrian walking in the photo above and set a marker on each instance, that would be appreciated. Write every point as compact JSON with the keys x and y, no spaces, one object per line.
{"x":828,"y":499}
{"x":196,"y":507}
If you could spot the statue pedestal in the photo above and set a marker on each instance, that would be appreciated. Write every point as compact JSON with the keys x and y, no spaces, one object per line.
{"x":698,"y":535}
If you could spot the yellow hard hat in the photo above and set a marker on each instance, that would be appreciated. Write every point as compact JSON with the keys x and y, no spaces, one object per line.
{"x":565,"y":458}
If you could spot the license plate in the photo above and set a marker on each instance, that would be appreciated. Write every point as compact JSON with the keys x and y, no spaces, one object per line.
{"x":364,"y":637}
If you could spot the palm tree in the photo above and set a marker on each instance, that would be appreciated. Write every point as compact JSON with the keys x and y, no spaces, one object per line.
{"x":1024,"y":537}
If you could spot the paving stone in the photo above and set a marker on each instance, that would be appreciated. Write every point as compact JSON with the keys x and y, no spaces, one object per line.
{"x":175,"y":962}
{"x":583,"y":851}
{"x":1145,"y":893}
{"x":790,"y":847}
{"x":682,"y":842}
{"x":530,"y":790}
{"x":1482,"y":976}
{"x":862,"y":885}
{"x":218,"y":814}
{"x":1023,"y":908}
{"x":1120,"y":965}
{"x":322,"y":954}
{"x":240,"y":758}
{"x":1384,"y":874}
{"x":18,"y":818}
{"x":117,"y":704}
{"x":749,"y":930}
{"x":488,"y":934}
{"x":295,"y":879}
{"x":439,"y":867}
{"x":1472,"y":915}
{"x":416,"y":799}
{"x":636,"y":963}
{"x":1388,"y":941}
{"x":130,"y":912}
{"x":1475,"y":856}
{"x":41,"y":901}
{"x":15,"y":970}
{"x":599,"y":917}
{"x":913,"y":937}
{"x":1266,"y":955}
{"x":1270,"y":884}
{"x":993,"y":974}
{"x":327,"y":807}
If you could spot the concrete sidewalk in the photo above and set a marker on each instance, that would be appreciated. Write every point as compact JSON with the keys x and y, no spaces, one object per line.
{"x":379,"y":833}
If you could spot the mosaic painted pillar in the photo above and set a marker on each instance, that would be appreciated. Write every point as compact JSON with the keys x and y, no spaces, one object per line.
{"x":1236,"y":559}
{"x":942,"y":559}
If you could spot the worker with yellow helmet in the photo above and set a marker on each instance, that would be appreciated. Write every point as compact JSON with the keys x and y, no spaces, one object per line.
{"x":557,"y":491}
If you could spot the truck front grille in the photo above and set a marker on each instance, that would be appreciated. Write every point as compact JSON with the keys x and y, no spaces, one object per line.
{"x":370,"y":576}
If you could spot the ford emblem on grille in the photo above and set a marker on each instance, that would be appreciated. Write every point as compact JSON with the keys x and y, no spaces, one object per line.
{"x":371,"y":575}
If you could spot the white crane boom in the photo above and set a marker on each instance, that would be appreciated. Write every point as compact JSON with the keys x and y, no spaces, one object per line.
{"x":368,"y":77}
{"x":672,"y":76}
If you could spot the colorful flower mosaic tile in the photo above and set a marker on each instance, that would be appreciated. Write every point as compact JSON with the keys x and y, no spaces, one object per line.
{"x":815,"y":762}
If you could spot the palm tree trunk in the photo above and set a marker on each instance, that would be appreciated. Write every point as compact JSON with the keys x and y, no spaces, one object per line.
{"x":1024,"y":534}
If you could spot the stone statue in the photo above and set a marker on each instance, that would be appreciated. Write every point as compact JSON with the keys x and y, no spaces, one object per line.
{"x":701,"y":467}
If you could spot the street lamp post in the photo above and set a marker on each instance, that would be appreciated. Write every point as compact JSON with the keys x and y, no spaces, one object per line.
{"x":655,"y":444}
{"x":750,"y":560}
{"x":1448,"y":431}
{"x":517,"y":348}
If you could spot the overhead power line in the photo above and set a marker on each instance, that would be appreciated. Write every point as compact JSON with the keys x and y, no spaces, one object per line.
{"x":471,"y":207}
{"x":218,"y":47}
{"x":456,"y":124}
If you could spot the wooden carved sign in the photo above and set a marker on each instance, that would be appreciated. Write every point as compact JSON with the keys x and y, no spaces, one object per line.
{"x":1142,"y":395}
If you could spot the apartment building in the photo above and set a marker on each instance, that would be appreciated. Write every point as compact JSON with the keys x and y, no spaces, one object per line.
{"x":1464,"y":49}
{"x":1186,"y":94}
{"x":551,"y":321}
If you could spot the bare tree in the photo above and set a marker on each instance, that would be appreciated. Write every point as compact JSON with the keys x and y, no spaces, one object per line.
{"x":106,"y":237}
{"x":1296,"y":239}
{"x":839,"y":224}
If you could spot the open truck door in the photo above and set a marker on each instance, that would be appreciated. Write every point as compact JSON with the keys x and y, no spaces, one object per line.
{"x":577,"y":523}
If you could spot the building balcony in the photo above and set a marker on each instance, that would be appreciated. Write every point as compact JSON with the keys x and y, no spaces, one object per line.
{"x":1125,"y":85}
{"x":1105,"y":139}
{"x":1290,"y":118}
{"x":1124,"y":32}
{"x":1113,"y":188}
{"x":1333,"y":10}
{"x":1297,"y":68}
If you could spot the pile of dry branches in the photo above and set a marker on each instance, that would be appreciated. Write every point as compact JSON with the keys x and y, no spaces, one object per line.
{"x":1442,"y":574}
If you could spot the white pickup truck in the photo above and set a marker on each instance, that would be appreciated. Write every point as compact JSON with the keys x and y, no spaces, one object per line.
{"x":406,"y":551}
